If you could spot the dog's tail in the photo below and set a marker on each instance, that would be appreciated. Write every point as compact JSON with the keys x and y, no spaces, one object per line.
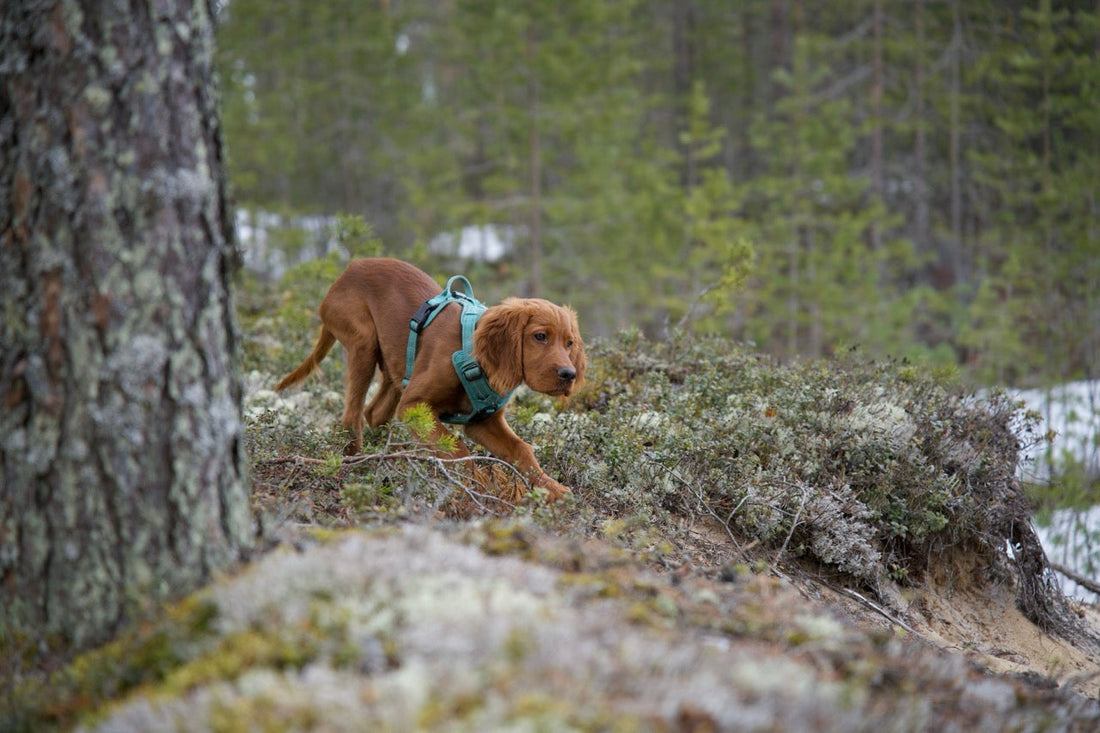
{"x":312,"y":362}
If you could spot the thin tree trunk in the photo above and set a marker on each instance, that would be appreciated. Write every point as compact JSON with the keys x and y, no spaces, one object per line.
{"x":781,"y":43}
{"x":878,"y":176}
{"x":803,"y":214}
{"x":683,"y":83}
{"x":794,"y":283}
{"x":816,"y":336}
{"x":920,"y":147}
{"x":955,"y":140}
{"x":534,"y":151}
{"x":878,"y":185}
{"x":124,"y":479}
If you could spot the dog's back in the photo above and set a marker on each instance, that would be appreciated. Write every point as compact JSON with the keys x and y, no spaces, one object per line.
{"x":379,"y":295}
{"x":368,"y":306}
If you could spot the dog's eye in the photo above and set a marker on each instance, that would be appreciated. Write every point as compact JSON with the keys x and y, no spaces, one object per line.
{"x":540,"y":336}
{"x":569,"y":344}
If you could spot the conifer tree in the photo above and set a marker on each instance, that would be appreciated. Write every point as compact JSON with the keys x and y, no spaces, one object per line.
{"x":121,"y":454}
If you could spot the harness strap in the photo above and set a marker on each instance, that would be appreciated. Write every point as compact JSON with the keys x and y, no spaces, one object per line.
{"x":424,"y":315}
{"x":485,"y":400}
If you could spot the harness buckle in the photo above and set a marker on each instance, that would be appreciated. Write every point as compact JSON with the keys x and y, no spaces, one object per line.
{"x":472,"y":371}
{"x":483,"y":413}
{"x":416,"y":324}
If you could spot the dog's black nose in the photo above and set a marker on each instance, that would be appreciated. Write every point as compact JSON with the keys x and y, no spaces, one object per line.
{"x":567,"y":374}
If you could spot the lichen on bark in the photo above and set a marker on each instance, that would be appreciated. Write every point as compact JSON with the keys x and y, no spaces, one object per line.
{"x":120,"y":435}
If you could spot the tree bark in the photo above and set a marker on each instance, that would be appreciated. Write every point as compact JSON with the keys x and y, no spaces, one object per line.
{"x":123,"y":472}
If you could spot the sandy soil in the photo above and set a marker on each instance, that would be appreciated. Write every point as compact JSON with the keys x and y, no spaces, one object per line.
{"x":988,"y":629}
{"x":980,"y":621}
{"x":961,"y":610}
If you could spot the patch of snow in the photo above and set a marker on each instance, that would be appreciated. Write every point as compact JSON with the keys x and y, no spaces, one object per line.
{"x":260,"y":250}
{"x":263,"y":254}
{"x":485,"y":243}
{"x":1071,"y":538}
{"x":1072,"y":411}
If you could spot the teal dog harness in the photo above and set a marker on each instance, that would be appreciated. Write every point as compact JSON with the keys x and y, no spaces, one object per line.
{"x":485,"y":400}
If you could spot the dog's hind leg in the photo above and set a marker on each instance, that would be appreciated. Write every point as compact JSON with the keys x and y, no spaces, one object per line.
{"x":361,"y":362}
{"x":382,"y":406}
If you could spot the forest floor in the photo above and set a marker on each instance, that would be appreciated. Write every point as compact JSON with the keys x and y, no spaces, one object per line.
{"x":952,"y":651}
{"x":394,"y":616}
{"x":490,"y":624}
{"x":958,"y":609}
{"x":524,"y":623}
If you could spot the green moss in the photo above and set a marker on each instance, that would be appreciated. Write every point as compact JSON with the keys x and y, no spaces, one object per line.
{"x":450,"y":710}
{"x":542,"y":710}
{"x":144,"y":656}
{"x":240,"y":652}
{"x":365,"y":497}
{"x":247,"y":714}
{"x":332,"y":465}
{"x":517,"y":645}
{"x":659,"y":610}
{"x":325,"y":535}
{"x":592,"y":584}
{"x":506,"y":538}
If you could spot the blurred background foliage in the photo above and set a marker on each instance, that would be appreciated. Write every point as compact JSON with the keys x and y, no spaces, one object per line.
{"x":915,"y":178}
{"x":918,"y":177}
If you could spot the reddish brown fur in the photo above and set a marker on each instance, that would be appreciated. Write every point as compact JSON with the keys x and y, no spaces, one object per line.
{"x":526,"y":340}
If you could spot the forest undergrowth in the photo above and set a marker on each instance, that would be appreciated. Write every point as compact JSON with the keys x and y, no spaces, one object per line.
{"x":864,"y":471}
{"x":731,"y":515}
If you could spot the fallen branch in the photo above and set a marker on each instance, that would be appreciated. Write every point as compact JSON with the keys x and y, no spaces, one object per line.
{"x":869,"y":603}
{"x":365,"y":457}
{"x":443,"y":464}
{"x":1077,"y":578}
{"x":703,"y":503}
{"x":794,"y":526}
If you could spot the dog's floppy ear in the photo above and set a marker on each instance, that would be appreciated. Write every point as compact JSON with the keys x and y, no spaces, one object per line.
{"x":498,"y":343}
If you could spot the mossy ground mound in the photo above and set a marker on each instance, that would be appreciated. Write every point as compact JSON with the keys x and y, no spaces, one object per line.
{"x":500,"y":624}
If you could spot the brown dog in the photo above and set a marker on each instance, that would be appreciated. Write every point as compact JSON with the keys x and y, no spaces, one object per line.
{"x":368,"y":310}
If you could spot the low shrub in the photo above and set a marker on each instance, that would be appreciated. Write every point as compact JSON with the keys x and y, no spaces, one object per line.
{"x":870,"y":470}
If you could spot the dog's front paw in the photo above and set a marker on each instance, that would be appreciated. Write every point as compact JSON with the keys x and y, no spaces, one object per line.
{"x":554,"y":490}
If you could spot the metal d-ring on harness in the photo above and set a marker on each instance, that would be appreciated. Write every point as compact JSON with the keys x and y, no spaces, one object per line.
{"x":485,"y":400}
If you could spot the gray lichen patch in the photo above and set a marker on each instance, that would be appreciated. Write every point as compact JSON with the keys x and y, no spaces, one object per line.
{"x":415,"y":630}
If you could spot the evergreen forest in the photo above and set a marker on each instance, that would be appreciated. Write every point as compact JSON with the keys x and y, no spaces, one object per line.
{"x":915,"y":178}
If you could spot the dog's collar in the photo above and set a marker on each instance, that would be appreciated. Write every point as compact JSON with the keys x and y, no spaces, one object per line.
{"x":485,"y":400}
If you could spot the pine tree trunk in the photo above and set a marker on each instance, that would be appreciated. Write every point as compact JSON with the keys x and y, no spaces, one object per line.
{"x":878,"y":84}
{"x":922,"y":214}
{"x":123,"y":474}
{"x":534,"y":288}
{"x":955,"y":133}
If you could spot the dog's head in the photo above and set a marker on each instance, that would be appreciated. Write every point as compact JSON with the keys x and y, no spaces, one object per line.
{"x":530,"y":340}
